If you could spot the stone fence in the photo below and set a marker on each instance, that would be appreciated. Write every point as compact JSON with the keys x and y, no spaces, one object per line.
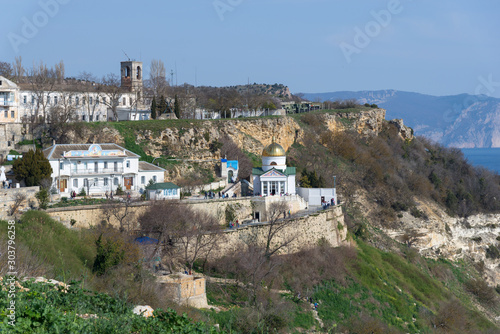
{"x":207,"y":187}
{"x":300,"y":233}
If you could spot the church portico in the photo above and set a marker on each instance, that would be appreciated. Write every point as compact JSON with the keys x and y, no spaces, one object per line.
{"x":274,"y":178}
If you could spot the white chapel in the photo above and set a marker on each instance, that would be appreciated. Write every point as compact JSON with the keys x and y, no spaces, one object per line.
{"x":274,"y":178}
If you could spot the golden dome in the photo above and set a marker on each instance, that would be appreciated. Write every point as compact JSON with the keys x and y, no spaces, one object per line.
{"x":273,"y":150}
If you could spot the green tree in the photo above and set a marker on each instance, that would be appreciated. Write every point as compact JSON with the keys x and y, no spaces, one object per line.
{"x":304,"y":181}
{"x":43,"y":198}
{"x":162,"y":106}
{"x":109,"y":254}
{"x":153,"y":108}
{"x":33,"y":167}
{"x":177,"y":107}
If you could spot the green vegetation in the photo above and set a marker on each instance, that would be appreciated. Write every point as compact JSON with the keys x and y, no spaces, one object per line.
{"x":43,"y":198}
{"x":78,"y":202}
{"x":36,"y":142}
{"x":33,"y":168}
{"x":49,"y":309}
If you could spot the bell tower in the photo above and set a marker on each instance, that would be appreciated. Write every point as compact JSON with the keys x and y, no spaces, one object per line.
{"x":131,"y":74}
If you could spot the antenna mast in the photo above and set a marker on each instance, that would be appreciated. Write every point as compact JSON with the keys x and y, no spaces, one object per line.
{"x":126,"y":55}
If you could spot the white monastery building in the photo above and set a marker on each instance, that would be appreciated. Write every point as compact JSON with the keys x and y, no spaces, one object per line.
{"x":88,"y":101}
{"x":274,"y":178}
{"x":98,"y":168}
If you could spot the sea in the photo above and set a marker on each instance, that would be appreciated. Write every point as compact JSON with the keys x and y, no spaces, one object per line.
{"x":486,"y":157}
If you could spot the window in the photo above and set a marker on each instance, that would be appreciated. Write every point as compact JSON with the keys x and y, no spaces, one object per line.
{"x":174,"y":192}
{"x":96,"y":167}
{"x":78,"y":101}
{"x":105,"y":165}
{"x":115,"y":167}
{"x":128,"y":163}
{"x":115,"y":181}
{"x":25,"y":99}
{"x":106,"y":181}
{"x":6,"y":114}
{"x":85,"y":165}
{"x":75,"y":183}
{"x":90,"y":100}
{"x":85,"y":182}
{"x":48,"y":99}
{"x":124,"y":101}
{"x":83,"y":117}
{"x":97,"y":100}
{"x":104,"y":99}
{"x":130,"y":101}
{"x":96,"y":181}
{"x":84,"y":100}
{"x":55,"y":99}
{"x":32,"y":99}
{"x":143,"y":179}
{"x":91,"y":118}
{"x":12,"y":113}
{"x":61,"y":165}
{"x":154,"y":178}
{"x":97,"y":117}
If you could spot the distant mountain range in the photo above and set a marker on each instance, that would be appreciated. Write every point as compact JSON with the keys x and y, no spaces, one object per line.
{"x":463,"y":121}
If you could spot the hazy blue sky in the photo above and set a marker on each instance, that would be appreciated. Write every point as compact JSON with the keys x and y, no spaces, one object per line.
{"x":435,"y":47}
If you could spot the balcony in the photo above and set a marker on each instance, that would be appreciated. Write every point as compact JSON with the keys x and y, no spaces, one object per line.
{"x":6,"y":103}
{"x":98,"y":171}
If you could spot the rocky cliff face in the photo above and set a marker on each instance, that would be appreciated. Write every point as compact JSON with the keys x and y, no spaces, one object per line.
{"x":192,"y":141}
{"x":440,"y":235}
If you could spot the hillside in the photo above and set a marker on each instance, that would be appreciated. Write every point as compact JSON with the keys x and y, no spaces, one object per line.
{"x":403,"y":198}
{"x":456,"y":120}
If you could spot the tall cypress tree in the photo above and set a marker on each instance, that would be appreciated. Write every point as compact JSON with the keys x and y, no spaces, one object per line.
{"x":162,"y":106}
{"x":177,"y":107}
{"x":153,"y":108}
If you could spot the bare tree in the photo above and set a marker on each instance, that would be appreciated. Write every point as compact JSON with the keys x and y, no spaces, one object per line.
{"x":19,"y":198}
{"x":90,"y":92}
{"x":184,"y":235}
{"x":6,"y":70}
{"x":121,"y":212}
{"x":277,"y":224}
{"x":258,"y":264}
{"x":59,"y":71}
{"x":60,"y":115}
{"x":157,"y":77}
{"x":42,"y":81}
{"x":111,"y":92}
{"x":18,"y":69}
{"x":410,"y":236}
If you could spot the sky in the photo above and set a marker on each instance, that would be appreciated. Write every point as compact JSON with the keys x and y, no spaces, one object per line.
{"x":433,"y":47}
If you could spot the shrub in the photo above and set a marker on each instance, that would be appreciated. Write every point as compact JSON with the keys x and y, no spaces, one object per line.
{"x":109,"y":254}
{"x":482,"y":291}
{"x":492,"y":252}
{"x":415,"y":212}
{"x":43,"y":198}
{"x":119,"y":190}
{"x":82,"y":192}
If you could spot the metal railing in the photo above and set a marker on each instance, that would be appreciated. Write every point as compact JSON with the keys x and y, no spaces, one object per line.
{"x":90,"y":171}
